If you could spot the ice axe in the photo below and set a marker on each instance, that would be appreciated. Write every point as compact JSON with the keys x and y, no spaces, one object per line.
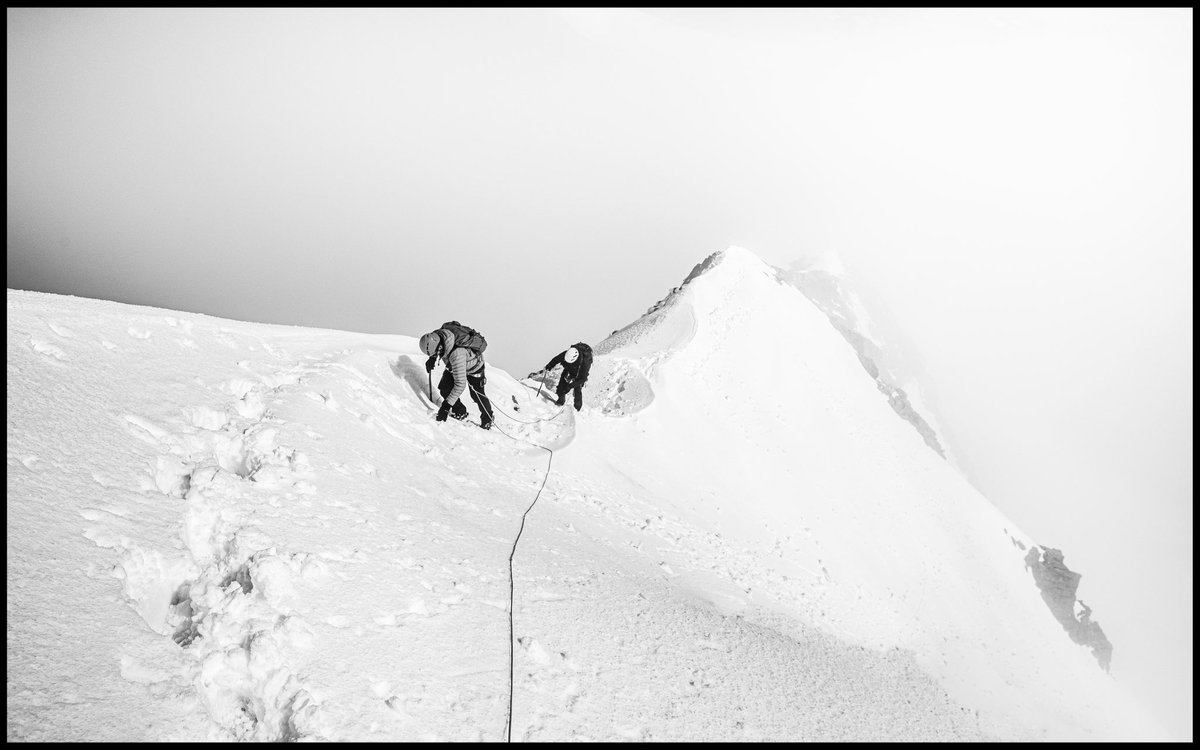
{"x":429,"y":370}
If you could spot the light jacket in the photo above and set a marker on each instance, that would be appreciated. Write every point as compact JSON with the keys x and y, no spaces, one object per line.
{"x":460,"y":362}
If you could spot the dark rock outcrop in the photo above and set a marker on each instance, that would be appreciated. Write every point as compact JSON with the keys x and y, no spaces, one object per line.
{"x":1058,"y":585}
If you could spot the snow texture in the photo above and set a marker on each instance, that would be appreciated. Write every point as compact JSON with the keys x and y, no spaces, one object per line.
{"x":220,"y":530}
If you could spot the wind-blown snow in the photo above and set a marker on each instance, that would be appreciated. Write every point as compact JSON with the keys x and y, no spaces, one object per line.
{"x":226,"y":530}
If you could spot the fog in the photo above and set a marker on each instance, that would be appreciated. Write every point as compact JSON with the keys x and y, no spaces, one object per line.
{"x":1011,"y":191}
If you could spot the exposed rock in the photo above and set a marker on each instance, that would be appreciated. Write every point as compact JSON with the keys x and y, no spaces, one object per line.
{"x":899,"y":403}
{"x":1058,"y":585}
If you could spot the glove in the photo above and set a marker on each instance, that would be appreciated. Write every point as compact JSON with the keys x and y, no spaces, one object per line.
{"x":443,"y":412}
{"x":429,"y":363}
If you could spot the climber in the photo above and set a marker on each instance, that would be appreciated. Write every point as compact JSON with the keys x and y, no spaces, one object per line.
{"x":461,"y":350}
{"x":576,"y":363}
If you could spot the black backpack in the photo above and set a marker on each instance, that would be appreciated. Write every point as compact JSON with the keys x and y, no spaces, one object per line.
{"x":466,"y":336}
{"x":585,"y":360}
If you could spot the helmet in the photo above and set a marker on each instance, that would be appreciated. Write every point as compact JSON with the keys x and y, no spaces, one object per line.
{"x":571,"y":354}
{"x":430,"y":343}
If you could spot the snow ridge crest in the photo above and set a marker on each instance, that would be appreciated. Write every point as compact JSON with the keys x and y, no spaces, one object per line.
{"x":731,"y":259}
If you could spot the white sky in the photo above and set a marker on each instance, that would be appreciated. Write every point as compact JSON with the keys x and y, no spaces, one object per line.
{"x":239,"y":531}
{"x":1013,"y":186}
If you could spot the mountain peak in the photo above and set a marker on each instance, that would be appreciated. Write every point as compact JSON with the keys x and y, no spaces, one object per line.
{"x":659,"y":331}
{"x":728,"y":286}
{"x":732,"y":258}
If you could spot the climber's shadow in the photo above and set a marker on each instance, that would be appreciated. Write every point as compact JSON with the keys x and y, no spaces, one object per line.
{"x":413,"y":374}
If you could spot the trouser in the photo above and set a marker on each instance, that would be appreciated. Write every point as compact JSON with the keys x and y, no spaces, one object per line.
{"x":566,"y":384}
{"x":475,"y":385}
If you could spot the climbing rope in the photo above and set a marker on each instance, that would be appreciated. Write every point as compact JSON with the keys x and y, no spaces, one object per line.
{"x":522,"y":421}
{"x":511,"y":585}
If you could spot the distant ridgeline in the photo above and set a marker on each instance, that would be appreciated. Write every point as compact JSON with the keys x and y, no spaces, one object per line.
{"x":824,"y":290}
{"x":1058,"y":585}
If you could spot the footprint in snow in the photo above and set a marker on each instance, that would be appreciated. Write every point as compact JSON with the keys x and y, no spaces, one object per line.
{"x":49,"y":350}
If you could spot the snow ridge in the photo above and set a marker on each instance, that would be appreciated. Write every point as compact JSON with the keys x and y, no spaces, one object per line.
{"x":668,"y":326}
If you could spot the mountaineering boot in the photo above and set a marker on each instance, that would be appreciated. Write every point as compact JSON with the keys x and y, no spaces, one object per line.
{"x":459,"y":411}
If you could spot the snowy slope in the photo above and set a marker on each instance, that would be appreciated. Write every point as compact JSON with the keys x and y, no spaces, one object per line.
{"x":773,"y":436}
{"x":226,"y":530}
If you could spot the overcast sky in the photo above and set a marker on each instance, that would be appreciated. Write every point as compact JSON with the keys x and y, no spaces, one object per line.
{"x":1012,"y":188}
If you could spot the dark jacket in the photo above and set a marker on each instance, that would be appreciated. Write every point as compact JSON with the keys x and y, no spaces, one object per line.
{"x":575,"y":372}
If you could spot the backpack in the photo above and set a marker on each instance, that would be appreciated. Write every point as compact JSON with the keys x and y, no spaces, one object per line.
{"x":466,"y":336}
{"x":585,"y":359}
